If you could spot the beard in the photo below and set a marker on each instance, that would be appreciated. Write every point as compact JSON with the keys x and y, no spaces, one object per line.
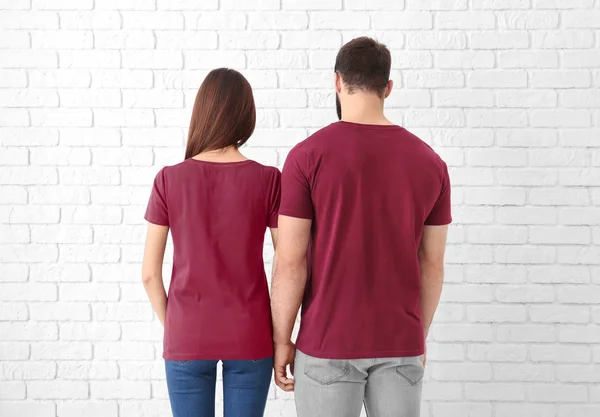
{"x":338,"y":106}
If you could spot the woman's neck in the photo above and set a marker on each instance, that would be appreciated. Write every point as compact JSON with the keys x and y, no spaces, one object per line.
{"x":229,"y":154}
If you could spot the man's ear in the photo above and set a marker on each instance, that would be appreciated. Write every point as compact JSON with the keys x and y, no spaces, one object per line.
{"x":388,"y":88}
{"x":338,"y":83}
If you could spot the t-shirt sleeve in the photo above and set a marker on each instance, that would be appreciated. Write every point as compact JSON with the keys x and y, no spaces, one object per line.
{"x":157,"y":211}
{"x":296,"y":198}
{"x":441,"y":213}
{"x":274,"y":199}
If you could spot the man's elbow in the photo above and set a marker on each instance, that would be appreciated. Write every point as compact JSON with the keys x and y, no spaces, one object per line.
{"x":150,"y":278}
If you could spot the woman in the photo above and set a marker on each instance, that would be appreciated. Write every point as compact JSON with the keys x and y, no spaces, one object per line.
{"x":217,"y":205}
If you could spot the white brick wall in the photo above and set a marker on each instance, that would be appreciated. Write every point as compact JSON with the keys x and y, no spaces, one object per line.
{"x":95,"y":96}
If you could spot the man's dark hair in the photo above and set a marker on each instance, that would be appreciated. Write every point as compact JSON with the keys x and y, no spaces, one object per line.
{"x":364,"y":64}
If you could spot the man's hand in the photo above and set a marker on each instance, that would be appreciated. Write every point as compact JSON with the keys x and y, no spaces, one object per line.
{"x":284,"y":356}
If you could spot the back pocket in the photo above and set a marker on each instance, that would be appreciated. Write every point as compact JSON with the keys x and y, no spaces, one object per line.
{"x":325,"y":371}
{"x":412,"y":369}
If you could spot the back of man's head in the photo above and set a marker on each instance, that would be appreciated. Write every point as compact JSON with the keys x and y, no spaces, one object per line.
{"x":364,"y":65}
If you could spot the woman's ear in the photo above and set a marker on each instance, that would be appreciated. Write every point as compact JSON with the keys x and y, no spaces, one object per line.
{"x":388,"y":88}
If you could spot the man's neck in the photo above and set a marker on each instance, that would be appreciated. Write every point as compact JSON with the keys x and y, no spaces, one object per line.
{"x":364,"y":109}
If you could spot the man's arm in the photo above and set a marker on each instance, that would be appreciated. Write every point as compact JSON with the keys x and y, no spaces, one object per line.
{"x":289,"y":281}
{"x":431,"y":263}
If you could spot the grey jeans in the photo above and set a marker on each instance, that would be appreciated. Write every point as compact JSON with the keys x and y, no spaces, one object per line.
{"x":388,"y":387}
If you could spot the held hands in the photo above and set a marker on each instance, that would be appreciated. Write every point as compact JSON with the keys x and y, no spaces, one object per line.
{"x":284,"y":357}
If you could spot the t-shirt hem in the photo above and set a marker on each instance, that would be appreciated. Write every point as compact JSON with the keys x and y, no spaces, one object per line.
{"x":155,"y":221}
{"x":215,"y":356}
{"x":295,"y":214}
{"x":439,"y":222}
{"x":362,"y":355}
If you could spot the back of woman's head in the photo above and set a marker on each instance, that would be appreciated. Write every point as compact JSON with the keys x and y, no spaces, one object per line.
{"x":224,"y":113}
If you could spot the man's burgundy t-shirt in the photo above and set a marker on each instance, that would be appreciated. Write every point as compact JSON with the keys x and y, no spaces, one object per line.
{"x":218,"y":302}
{"x":369,"y":190}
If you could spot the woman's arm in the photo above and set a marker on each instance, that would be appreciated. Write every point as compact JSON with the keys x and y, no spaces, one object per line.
{"x":156,"y":240}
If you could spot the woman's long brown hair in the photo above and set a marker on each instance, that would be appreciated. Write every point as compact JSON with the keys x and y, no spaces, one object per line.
{"x":224,"y":113}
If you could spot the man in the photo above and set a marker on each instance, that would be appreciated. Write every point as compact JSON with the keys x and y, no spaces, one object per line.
{"x":362,"y":231}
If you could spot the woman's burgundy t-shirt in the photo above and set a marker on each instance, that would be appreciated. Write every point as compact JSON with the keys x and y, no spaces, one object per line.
{"x":218,"y":301}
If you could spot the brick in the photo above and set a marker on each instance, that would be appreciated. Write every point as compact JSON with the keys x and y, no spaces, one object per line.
{"x":12,"y":390}
{"x":525,"y":294}
{"x":498,"y":196}
{"x":560,"y":353}
{"x":15,"y":4}
{"x":29,"y":331}
{"x":494,"y":392}
{"x":210,"y":59}
{"x":497,"y":353}
{"x":345,"y":20}
{"x":96,"y":370}
{"x":402,"y":20}
{"x":14,"y":117}
{"x":464,"y":59}
{"x":559,"y":274}
{"x":89,"y":176}
{"x":436,"y":40}
{"x":436,"y":4}
{"x":57,"y":389}
{"x":122,"y":312}
{"x":34,"y":215}
{"x":465,"y":20}
{"x":559,"y":314}
{"x":158,"y":408}
{"x":528,"y":20}
{"x":217,"y":21}
{"x":14,"y":272}
{"x":497,"y":235}
{"x":579,"y":334}
{"x":563,"y":4}
{"x":524,"y":254}
{"x":321,"y":39}
{"x":60,"y":156}
{"x":500,"y":40}
{"x":562,"y":118}
{"x":61,"y":117}
{"x":157,"y":59}
{"x":496,"y":157}
{"x":527,"y":59}
{"x":463,"y":333}
{"x":58,"y":195}
{"x":122,"y":78}
{"x":28,"y":253}
{"x":500,"y":4}
{"x":526,"y":333}
{"x":129,"y":5}
{"x":26,"y":58}
{"x":494,"y":274}
{"x":151,"y":20}
{"x":581,"y":59}
{"x":527,"y":99}
{"x":557,"y":393}
{"x":62,"y":5}
{"x":580,"y":98}
{"x":88,"y":292}
{"x":62,"y":312}
{"x":28,"y":20}
{"x":564,"y":39}
{"x":474,"y":215}
{"x":27,"y":370}
{"x":496,"y":118}
{"x":580,"y":177}
{"x":90,"y":98}
{"x":13,"y":312}
{"x":28,"y":98}
{"x":249,"y":40}
{"x":123,"y":351}
{"x":497,"y":79}
{"x":278,"y":60}
{"x":577,"y":19}
{"x":523,"y":372}
{"x":496,"y":314}
{"x":13,"y":78}
{"x":462,"y":372}
{"x":71,"y":78}
{"x":447,"y":409}
{"x":88,"y":409}
{"x":580,"y":410}
{"x":559,"y":235}
{"x":579,"y":255}
{"x":90,"y":331}
{"x":14,"y":351}
{"x":560,"y":79}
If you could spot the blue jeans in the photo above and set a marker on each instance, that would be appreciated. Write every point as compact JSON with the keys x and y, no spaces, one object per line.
{"x":191,"y":387}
